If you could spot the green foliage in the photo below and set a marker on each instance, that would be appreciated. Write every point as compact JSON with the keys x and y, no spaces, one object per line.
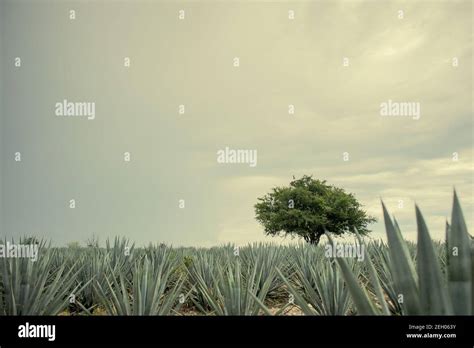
{"x":308,"y":208}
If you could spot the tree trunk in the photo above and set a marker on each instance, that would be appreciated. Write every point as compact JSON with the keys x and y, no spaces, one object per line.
{"x":314,"y":238}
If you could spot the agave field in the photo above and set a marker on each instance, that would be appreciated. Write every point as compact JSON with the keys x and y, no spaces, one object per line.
{"x":395,"y":278}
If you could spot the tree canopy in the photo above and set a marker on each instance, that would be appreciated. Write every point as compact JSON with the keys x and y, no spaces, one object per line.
{"x":308,"y":208}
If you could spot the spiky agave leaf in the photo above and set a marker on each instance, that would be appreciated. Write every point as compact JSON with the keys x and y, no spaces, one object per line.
{"x":472,"y":275}
{"x":374,"y":279}
{"x":459,"y":262}
{"x":364,"y":304}
{"x":298,"y":298}
{"x":433,"y":296}
{"x":381,"y":259}
{"x":404,"y":273}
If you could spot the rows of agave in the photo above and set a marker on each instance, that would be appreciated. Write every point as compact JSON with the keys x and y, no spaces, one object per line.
{"x":397,"y":278}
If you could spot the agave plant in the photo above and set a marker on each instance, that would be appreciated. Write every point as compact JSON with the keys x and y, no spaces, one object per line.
{"x":318,"y":287}
{"x":121,"y":254}
{"x":423,"y":289}
{"x":93,"y":265}
{"x":325,"y":290}
{"x":380,"y":259}
{"x":36,"y":287}
{"x":201,"y":272}
{"x":149,"y":292}
{"x":234,"y":292}
{"x":267,"y":258}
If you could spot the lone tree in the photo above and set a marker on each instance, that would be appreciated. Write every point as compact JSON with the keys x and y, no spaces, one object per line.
{"x":309,"y":207}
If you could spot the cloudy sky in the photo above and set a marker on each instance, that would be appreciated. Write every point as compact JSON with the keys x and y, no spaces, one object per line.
{"x":407,"y":56}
